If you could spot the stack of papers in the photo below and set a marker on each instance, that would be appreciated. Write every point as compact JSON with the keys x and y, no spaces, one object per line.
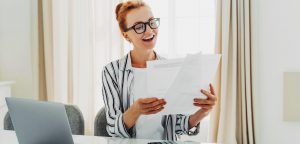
{"x":179,"y":81}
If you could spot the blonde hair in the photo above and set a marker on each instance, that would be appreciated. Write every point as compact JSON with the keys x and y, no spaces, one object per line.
{"x":124,"y":8}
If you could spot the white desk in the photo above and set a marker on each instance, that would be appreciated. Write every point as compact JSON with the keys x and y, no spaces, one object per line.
{"x":9,"y":137}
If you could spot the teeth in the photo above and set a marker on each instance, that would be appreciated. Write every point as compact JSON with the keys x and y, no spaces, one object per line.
{"x":149,"y":38}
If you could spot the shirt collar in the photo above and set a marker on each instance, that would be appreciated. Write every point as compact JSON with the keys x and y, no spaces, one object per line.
{"x":125,"y":62}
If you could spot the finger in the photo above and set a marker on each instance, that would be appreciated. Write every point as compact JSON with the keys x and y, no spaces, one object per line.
{"x":209,"y":95}
{"x":200,"y":105}
{"x":212,"y":89}
{"x":201,"y":101}
{"x":154,"y":105}
{"x":149,"y":105}
{"x":149,"y":100}
{"x":155,"y":111}
{"x":154,"y":108}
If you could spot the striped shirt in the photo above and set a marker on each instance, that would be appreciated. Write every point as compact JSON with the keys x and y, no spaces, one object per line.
{"x":117,"y":84}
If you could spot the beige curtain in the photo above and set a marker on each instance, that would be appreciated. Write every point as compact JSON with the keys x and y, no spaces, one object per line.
{"x":76,"y":39}
{"x":232,"y":120}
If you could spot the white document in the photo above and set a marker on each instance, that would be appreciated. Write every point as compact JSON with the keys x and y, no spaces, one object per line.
{"x":140,"y":83}
{"x":160,"y":76}
{"x":139,"y":91}
{"x":195,"y":74}
{"x":185,"y":87}
{"x":179,"y":81}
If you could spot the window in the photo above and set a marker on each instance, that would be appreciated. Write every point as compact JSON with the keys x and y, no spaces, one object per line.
{"x":186,"y":26}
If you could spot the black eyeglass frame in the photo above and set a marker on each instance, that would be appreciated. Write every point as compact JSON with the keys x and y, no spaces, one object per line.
{"x":145,"y":24}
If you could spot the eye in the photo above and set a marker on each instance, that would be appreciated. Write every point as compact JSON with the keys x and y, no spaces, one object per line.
{"x":154,"y":23}
{"x":139,"y":27}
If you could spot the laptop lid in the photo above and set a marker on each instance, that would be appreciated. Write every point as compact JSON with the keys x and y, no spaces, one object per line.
{"x":38,"y":122}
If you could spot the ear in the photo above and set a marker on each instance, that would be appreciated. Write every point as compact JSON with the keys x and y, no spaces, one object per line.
{"x":125,"y":35}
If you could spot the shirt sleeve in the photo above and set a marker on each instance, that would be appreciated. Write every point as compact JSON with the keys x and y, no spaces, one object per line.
{"x":114,"y":116}
{"x":182,"y":125}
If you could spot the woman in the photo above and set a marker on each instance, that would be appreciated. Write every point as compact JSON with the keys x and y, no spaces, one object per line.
{"x":123,"y":109}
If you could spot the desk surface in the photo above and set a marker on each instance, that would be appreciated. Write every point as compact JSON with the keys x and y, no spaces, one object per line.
{"x":9,"y":137}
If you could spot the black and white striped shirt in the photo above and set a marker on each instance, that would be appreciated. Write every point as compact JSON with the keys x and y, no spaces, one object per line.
{"x":117,"y":81}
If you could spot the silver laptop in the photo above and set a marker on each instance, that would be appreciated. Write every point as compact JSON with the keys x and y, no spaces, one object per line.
{"x":38,"y":122}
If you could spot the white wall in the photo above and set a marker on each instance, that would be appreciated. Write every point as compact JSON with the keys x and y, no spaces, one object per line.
{"x":17,"y":18}
{"x":276,"y":43}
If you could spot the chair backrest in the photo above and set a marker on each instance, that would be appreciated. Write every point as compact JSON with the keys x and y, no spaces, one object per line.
{"x":100,"y":124}
{"x":75,"y":118}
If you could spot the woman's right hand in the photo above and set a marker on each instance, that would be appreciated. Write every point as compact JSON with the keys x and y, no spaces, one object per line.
{"x":142,"y":106}
{"x":147,"y":106}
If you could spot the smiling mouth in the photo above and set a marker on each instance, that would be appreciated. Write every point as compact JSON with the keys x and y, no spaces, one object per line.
{"x":149,"y":39}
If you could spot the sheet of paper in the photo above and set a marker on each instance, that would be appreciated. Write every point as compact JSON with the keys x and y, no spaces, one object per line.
{"x":195,"y":73}
{"x":179,"y":80}
{"x":185,"y":87}
{"x":140,"y":83}
{"x":210,"y":63}
{"x":139,"y":91}
{"x":160,"y":76}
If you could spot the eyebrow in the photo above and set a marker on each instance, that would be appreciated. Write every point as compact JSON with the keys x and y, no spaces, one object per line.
{"x":143,"y":22}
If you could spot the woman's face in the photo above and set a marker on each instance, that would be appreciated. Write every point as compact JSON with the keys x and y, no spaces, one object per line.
{"x":145,"y":40}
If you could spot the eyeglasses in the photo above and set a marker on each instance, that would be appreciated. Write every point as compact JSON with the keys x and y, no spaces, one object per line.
{"x":141,"y":27}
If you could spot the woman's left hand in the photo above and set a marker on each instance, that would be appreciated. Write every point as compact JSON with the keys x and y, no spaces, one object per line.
{"x":206,"y":105}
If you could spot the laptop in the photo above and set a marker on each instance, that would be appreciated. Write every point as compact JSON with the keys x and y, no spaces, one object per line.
{"x":37,"y":122}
